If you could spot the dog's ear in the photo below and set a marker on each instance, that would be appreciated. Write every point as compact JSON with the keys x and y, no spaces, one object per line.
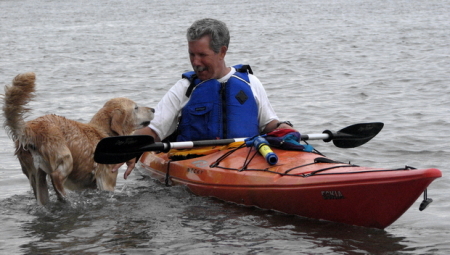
{"x":121,"y":122}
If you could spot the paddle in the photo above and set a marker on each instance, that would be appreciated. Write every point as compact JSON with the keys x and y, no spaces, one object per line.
{"x":351,"y":136}
{"x":119,"y":149}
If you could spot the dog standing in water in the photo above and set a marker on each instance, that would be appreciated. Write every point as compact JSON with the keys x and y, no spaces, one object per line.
{"x":64,"y":149}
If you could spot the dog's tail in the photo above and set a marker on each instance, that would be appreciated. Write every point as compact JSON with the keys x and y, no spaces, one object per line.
{"x":15,"y":99}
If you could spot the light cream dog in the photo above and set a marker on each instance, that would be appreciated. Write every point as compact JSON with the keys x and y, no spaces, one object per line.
{"x":64,"y":149}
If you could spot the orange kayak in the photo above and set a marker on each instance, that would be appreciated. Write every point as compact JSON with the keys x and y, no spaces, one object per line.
{"x":300,"y":183}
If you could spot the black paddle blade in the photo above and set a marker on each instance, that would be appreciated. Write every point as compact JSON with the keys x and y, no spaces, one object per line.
{"x":355,"y":135}
{"x":120,"y":149}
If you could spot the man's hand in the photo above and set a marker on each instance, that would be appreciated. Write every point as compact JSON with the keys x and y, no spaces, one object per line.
{"x":271,"y":126}
{"x":130,"y":166}
{"x":132,"y":162}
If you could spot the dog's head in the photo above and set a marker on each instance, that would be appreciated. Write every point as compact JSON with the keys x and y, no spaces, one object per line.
{"x":124,"y":116}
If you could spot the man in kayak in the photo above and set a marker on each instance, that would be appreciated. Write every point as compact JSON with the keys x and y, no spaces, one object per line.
{"x":214,"y":101}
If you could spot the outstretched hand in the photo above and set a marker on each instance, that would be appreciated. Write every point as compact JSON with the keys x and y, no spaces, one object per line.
{"x":130,"y":166}
{"x":132,"y":162}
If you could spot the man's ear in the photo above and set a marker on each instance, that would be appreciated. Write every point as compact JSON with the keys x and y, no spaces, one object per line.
{"x":223,"y":51}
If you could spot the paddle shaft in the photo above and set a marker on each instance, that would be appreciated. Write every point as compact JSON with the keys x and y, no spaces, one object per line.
{"x":159,"y":146}
{"x":315,"y":137}
{"x":165,"y":146}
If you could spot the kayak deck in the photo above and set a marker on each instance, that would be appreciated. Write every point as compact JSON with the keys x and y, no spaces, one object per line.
{"x":301,"y":183}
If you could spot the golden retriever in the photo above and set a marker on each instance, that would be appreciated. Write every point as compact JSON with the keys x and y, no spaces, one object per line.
{"x":64,"y":149}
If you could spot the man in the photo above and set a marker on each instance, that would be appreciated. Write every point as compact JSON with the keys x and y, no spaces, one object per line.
{"x":214,"y":101}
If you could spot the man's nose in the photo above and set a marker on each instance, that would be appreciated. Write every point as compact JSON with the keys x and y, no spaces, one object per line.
{"x":195,"y":61}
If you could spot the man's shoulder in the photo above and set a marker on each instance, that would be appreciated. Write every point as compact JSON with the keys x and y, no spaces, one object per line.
{"x":180,"y":87}
{"x":254,"y":80}
{"x":183,"y":82}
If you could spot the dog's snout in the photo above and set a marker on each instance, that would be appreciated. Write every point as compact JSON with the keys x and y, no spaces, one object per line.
{"x":152,"y":110}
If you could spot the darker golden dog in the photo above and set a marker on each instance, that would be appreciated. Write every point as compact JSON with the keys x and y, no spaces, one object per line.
{"x":61,"y":148}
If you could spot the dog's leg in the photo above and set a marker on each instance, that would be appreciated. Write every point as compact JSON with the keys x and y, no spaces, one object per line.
{"x":26,"y":163}
{"x":64,"y":166}
{"x":57,"y":164}
{"x":41,"y":187}
{"x":57,"y":181}
{"x":105,"y":178}
{"x":37,"y":178}
{"x":38,"y":182}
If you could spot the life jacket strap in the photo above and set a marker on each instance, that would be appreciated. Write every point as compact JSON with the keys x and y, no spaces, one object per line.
{"x":191,"y":78}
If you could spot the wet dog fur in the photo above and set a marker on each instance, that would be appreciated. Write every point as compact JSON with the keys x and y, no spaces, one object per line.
{"x":63,"y":149}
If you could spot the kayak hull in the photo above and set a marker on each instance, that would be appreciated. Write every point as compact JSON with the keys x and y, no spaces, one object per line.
{"x":301,"y":183}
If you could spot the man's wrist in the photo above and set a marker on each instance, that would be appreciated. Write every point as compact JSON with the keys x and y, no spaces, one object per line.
{"x":285,"y":122}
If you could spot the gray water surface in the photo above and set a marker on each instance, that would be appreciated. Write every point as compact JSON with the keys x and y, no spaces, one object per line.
{"x":324,"y":64}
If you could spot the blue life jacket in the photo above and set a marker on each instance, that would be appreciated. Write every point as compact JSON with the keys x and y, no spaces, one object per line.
{"x":219,"y":110}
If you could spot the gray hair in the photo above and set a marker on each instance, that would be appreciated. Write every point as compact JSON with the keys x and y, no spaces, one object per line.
{"x":216,"y":29}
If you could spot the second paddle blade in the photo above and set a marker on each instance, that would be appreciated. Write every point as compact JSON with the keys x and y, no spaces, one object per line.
{"x":356,"y":135}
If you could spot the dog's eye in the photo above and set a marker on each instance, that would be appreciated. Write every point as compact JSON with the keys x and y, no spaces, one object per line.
{"x":136,"y":107}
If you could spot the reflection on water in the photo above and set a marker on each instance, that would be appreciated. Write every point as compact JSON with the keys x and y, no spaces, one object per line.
{"x":152,"y":218}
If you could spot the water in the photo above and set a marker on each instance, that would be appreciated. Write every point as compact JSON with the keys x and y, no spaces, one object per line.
{"x":325,"y":65}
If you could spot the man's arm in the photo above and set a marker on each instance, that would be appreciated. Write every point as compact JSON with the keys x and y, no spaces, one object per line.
{"x":147,"y":131}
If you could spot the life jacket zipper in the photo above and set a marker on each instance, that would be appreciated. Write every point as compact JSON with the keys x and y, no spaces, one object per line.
{"x":224,"y":109}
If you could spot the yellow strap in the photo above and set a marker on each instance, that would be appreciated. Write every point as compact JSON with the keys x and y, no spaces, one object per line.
{"x":201,"y":151}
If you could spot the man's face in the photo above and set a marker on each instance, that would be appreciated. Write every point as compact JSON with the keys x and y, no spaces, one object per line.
{"x":206,"y":63}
